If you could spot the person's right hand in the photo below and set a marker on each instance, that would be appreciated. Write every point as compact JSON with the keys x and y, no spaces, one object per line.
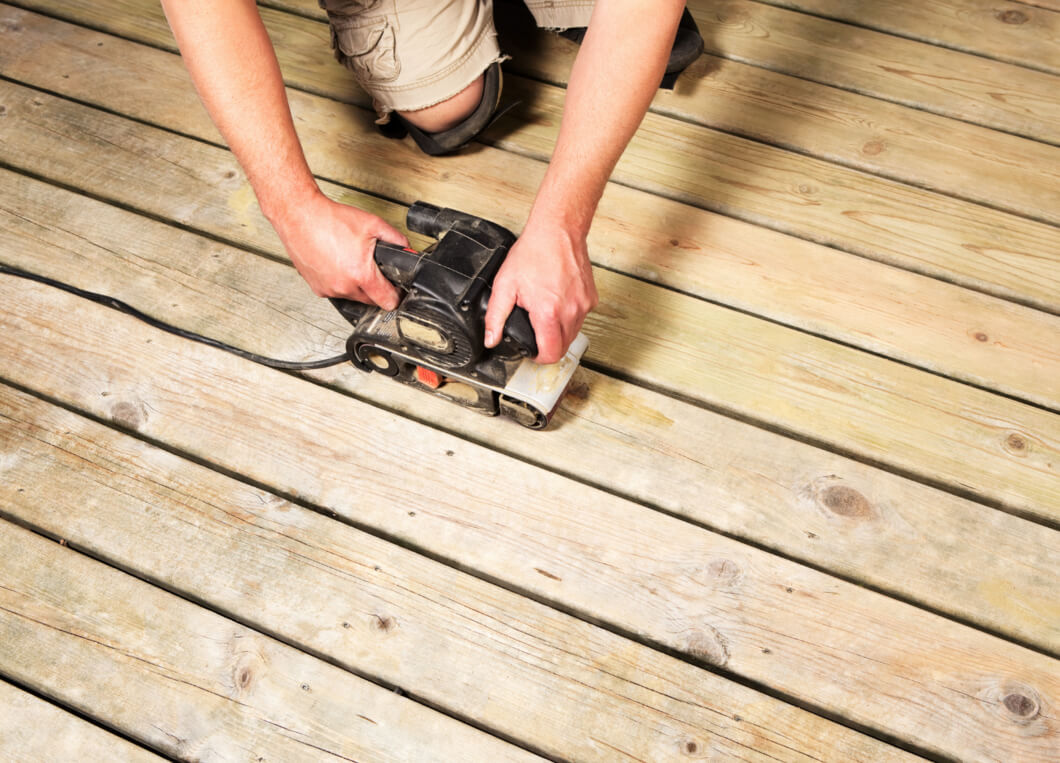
{"x":333,"y":245}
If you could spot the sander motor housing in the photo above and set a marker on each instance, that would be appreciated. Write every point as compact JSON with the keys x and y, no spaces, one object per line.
{"x":435,"y":338}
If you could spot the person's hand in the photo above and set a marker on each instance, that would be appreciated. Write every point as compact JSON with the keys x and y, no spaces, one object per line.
{"x":548,"y":273}
{"x":332,"y":245}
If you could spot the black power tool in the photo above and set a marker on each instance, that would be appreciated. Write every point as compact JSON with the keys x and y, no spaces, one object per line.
{"x":435,"y":338}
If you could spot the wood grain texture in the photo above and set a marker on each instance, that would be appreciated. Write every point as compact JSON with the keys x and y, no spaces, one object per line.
{"x":1018,"y":32}
{"x":762,"y":184}
{"x":574,"y":690}
{"x":32,"y":730}
{"x":188,"y":682}
{"x":947,"y":82}
{"x":717,"y":601}
{"x":880,"y":410}
{"x":659,"y":451}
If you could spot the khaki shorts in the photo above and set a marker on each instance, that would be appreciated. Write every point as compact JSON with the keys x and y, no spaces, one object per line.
{"x":411,"y":54}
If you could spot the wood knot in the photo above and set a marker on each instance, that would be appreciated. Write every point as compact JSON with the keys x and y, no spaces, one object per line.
{"x":128,"y":415}
{"x":3,"y":110}
{"x":981,"y":336}
{"x":725,"y":571}
{"x":846,"y":502}
{"x":873,"y":147}
{"x":578,"y":390}
{"x":1016,"y":444}
{"x":383,"y":623}
{"x":1012,"y":17}
{"x":709,"y":646}
{"x":1015,"y":702}
{"x":690,"y":747}
{"x":1021,"y":706}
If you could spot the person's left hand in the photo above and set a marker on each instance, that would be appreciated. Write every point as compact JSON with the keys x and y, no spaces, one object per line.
{"x":548,"y":273}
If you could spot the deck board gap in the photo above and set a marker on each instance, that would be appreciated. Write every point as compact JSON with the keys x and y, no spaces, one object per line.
{"x":819,"y":335}
{"x":868,"y":93}
{"x":774,"y":225}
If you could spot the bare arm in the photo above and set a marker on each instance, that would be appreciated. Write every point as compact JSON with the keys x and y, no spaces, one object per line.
{"x":615,"y":77}
{"x":234,"y":67}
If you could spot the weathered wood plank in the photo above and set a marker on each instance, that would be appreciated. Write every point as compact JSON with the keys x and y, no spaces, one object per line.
{"x":32,"y":730}
{"x":186,"y":681}
{"x":796,"y":194}
{"x":727,"y":475}
{"x":1017,"y":32}
{"x":947,"y":82}
{"x":564,"y":686}
{"x":716,"y":600}
{"x":865,"y":405}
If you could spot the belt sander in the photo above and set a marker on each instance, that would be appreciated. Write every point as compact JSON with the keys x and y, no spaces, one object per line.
{"x":434,"y":339}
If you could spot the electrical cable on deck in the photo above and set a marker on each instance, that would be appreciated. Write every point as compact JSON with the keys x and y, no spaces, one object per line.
{"x":125,"y":307}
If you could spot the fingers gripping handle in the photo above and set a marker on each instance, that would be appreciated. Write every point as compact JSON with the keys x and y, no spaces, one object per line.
{"x":397,"y":263}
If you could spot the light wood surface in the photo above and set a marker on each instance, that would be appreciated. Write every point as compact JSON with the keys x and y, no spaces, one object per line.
{"x":195,"y":685}
{"x":369,"y":606}
{"x":775,"y":623}
{"x":33,"y":729}
{"x":803,"y":500}
{"x":1024,"y":33}
{"x":949,"y":82}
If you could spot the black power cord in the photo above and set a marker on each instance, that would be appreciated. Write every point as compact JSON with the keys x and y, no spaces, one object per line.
{"x":128,"y":309}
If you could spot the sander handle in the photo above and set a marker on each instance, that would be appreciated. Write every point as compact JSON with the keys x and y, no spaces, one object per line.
{"x":400,"y":264}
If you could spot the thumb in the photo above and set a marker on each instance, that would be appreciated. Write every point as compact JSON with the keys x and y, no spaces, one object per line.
{"x":500,"y":307}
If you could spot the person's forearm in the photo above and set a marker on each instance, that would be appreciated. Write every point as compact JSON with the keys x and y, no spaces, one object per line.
{"x":231,"y":59}
{"x":232,"y":62}
{"x":615,"y":76}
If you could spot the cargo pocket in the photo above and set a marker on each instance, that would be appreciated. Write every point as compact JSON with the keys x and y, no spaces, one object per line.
{"x":363,"y":38}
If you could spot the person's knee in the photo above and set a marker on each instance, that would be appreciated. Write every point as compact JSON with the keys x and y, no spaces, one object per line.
{"x":450,"y":112}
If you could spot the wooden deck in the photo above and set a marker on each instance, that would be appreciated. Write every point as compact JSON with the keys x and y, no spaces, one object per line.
{"x":802,"y":501}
